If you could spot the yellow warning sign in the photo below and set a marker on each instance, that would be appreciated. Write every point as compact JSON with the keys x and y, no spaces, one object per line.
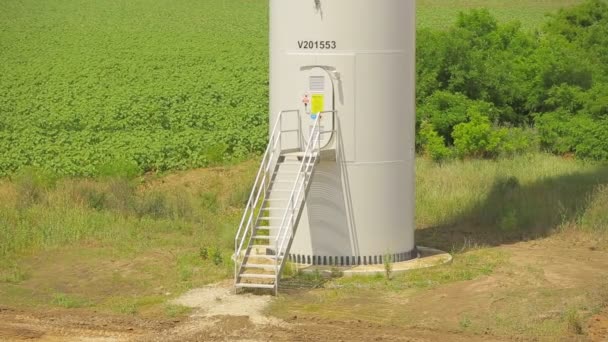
{"x":318,"y":103}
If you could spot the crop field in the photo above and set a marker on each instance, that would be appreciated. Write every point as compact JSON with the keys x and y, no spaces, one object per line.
{"x":437,"y":14}
{"x":163,"y":85}
{"x":130,"y":133}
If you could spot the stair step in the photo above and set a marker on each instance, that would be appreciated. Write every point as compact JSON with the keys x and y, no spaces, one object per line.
{"x":292,"y":170}
{"x":260,"y":246}
{"x":255,"y":286}
{"x":268,"y":227}
{"x":267,"y":257}
{"x":295,"y":163}
{"x":258,"y":276}
{"x":291,"y":163}
{"x":262,"y":266}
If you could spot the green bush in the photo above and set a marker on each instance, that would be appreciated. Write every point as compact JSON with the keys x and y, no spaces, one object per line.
{"x":432,"y":143}
{"x":555,"y":80}
{"x":593,"y":140}
{"x":444,"y":110}
{"x":556,"y":131}
{"x":477,"y":138}
{"x":518,"y":140}
{"x":562,"y":132}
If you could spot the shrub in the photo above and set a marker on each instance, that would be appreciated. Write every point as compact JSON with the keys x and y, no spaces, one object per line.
{"x":155,"y":205}
{"x":216,"y":257}
{"x":432,"y":144}
{"x":477,"y":138}
{"x":556,"y":132}
{"x":562,"y":132}
{"x":517,"y":140}
{"x":592,"y":142}
{"x":32,"y":183}
{"x":444,"y":110}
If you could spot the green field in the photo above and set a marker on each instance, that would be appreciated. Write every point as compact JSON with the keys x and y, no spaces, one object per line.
{"x":166,"y":84}
{"x":531,"y":13}
{"x":161,"y":84}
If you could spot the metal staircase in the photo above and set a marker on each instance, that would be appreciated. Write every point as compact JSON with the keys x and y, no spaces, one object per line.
{"x":269,"y":223}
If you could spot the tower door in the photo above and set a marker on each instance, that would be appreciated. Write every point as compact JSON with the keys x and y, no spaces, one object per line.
{"x":318,"y":99}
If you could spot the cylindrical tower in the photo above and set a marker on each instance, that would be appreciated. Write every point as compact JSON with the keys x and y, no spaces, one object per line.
{"x":357,"y":58}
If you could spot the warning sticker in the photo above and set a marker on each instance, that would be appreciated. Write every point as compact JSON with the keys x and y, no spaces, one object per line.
{"x":318,"y":103}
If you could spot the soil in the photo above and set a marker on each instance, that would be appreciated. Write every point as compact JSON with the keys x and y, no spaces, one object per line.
{"x":220,"y":315}
{"x":598,"y":327}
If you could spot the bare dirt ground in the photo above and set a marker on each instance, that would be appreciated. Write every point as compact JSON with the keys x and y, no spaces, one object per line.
{"x":557,"y":265}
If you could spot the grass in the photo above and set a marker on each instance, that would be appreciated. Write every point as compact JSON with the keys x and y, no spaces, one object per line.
{"x":150,"y":239}
{"x":508,"y":200}
{"x":124,"y":246}
{"x":531,"y":13}
{"x":381,"y":301}
{"x":69,"y":302}
{"x":467,"y":207}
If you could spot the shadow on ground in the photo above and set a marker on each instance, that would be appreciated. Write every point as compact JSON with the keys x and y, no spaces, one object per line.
{"x":513,"y":212}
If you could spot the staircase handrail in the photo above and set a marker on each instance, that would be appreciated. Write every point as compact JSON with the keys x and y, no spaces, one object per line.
{"x":258,"y":187}
{"x":314,"y":142}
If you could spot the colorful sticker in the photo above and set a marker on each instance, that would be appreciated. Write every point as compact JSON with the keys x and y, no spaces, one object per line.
{"x":318,"y":103}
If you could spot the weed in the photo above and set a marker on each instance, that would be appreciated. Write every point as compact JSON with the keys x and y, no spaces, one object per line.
{"x":290,"y":270}
{"x":387,"y":261}
{"x":69,"y":301}
{"x":594,"y":218}
{"x":216,"y":257}
{"x":173,"y":310}
{"x":240,"y":196}
{"x":95,"y":199}
{"x":121,"y":195}
{"x":509,"y":222}
{"x":204,"y":253}
{"x":32,"y":185}
{"x":13,"y":274}
{"x":126,"y":308}
{"x":183,"y":206}
{"x":155,"y":205}
{"x":574,"y":321}
{"x":465,"y":322}
{"x":209,"y":201}
{"x":336,"y":272}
